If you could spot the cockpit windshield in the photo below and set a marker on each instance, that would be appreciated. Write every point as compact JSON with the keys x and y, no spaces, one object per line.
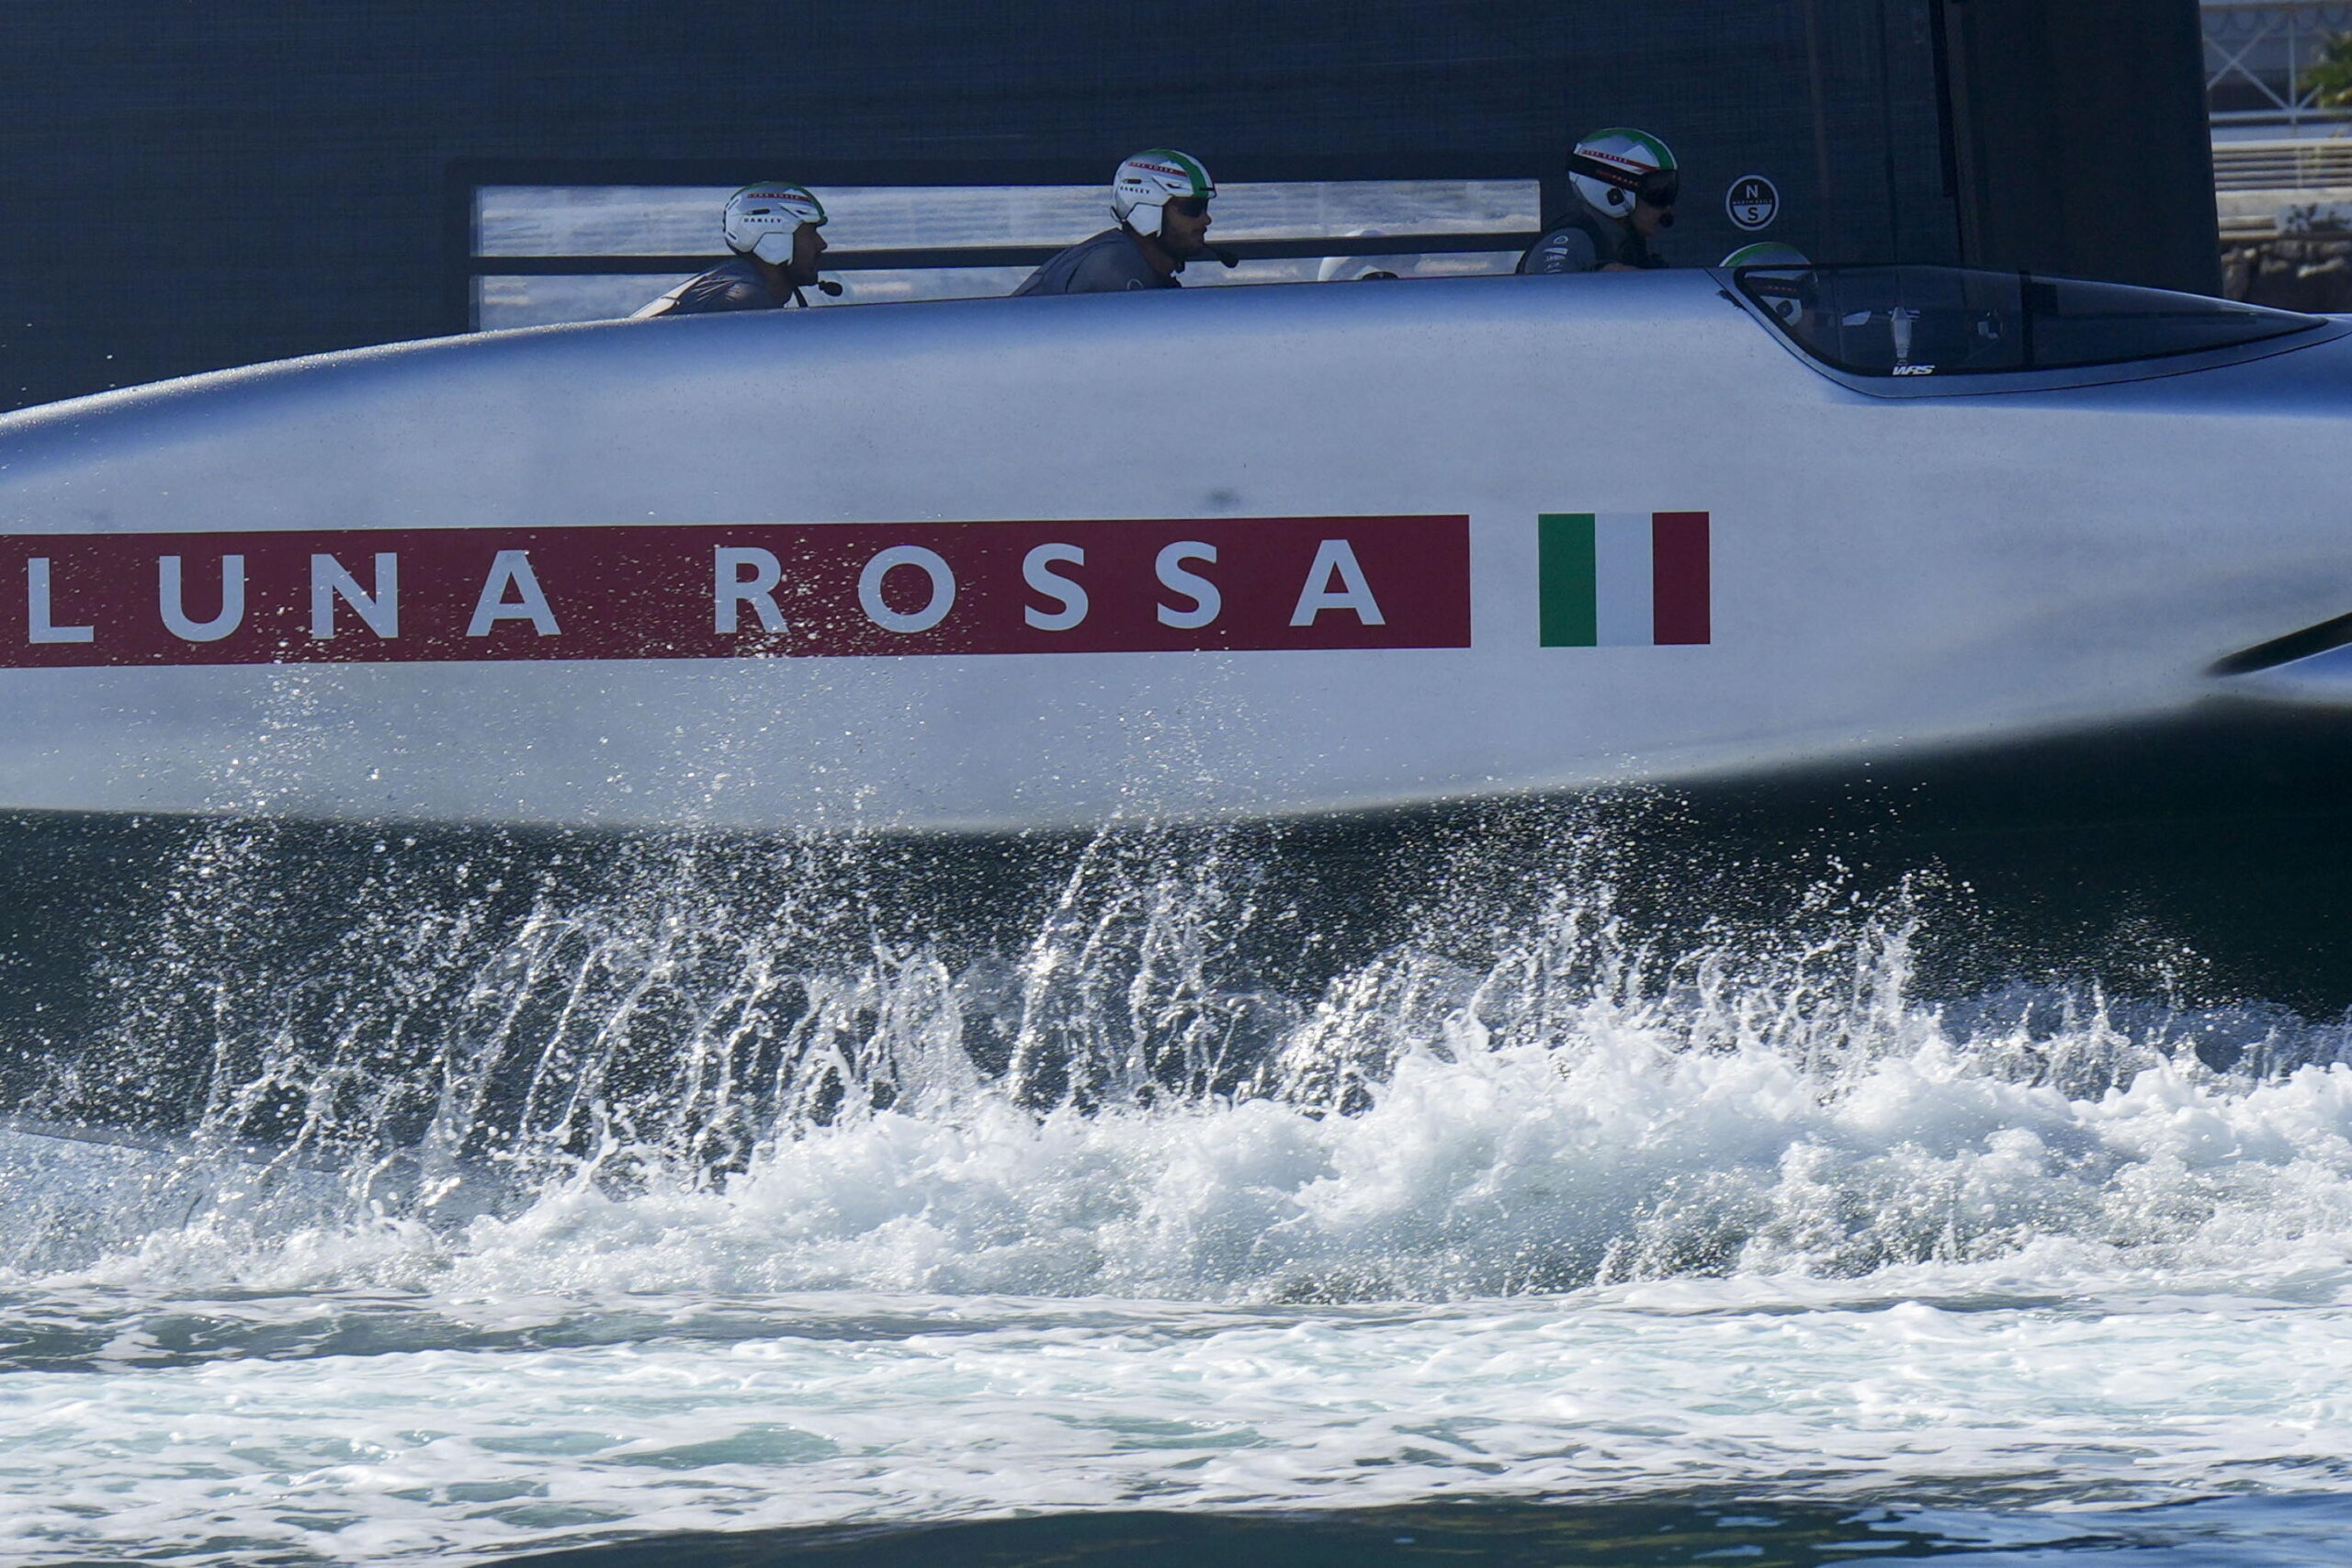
{"x":1941,"y":321}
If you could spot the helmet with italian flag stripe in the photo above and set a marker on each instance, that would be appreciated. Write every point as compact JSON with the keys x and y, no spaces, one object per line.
{"x":1784,"y":293}
{"x":1148,"y":181}
{"x":1766,"y":253}
{"x":1611,"y":168}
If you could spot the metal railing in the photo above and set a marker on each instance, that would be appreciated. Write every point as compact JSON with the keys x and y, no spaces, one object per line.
{"x":1001,"y":255}
{"x":2282,"y":165}
{"x":2259,"y":50}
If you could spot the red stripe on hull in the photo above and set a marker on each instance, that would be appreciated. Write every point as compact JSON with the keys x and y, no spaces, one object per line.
{"x":654,"y":591}
{"x":1681,"y":596}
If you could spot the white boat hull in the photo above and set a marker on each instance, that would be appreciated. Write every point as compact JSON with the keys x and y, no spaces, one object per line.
{"x":1883,"y":573}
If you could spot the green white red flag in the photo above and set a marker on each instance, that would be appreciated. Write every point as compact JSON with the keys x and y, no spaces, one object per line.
{"x":1617,"y":579}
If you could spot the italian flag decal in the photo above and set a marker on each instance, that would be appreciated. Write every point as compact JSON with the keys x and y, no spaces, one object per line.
{"x":1615,"y":579}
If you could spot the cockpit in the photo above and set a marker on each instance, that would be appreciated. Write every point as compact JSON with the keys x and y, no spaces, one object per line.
{"x":1940,"y":321}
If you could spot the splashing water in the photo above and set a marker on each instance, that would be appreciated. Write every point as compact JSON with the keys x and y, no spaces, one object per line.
{"x":1526,"y":1193}
{"x":662,"y":1088}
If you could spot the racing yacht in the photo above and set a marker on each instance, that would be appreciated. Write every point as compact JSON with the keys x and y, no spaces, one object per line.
{"x":2041,"y":584}
{"x":1282,"y":549}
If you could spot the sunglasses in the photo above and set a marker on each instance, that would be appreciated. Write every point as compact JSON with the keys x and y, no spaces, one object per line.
{"x":1188,"y":205}
{"x":1659,"y":187}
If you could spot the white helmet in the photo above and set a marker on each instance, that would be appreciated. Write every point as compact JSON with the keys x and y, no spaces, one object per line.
{"x":1611,"y":167}
{"x":1347,"y":269}
{"x":762,"y":218}
{"x":1766,"y":253}
{"x":1146,"y":181}
{"x":1783,"y":289}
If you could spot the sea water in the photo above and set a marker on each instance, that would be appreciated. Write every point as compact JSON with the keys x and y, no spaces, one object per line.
{"x":679,"y":1219}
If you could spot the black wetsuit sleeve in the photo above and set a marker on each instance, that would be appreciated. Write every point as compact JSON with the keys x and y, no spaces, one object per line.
{"x":1565,"y":249}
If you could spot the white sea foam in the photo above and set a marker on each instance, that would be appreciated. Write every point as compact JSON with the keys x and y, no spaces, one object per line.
{"x":1576,"y":1220}
{"x":1479,"y":1167}
{"x":980,"y":1407}
{"x":1489,"y":1174}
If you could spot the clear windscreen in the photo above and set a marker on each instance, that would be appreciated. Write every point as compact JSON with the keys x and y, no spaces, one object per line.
{"x":1918,"y":321}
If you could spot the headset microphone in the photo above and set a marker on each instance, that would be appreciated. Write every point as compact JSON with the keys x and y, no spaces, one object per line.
{"x":829,"y":289}
{"x":1225,"y":258}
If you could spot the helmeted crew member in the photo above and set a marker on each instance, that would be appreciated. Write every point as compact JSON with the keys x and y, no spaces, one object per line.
{"x":1626,"y":183}
{"x":1349,"y":269}
{"x":1786,"y":289}
{"x":1765,"y":253}
{"x":771,"y":228}
{"x":1161,"y":200}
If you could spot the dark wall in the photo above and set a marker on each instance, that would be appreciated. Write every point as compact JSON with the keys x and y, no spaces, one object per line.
{"x":185,"y":186}
{"x":2080,"y":139}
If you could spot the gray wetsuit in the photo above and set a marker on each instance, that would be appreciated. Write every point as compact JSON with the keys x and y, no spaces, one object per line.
{"x":735,"y":284}
{"x":1111,"y":262}
{"x":1586,"y":241}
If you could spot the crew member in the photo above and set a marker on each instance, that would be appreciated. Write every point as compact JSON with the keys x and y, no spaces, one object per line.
{"x":1347,"y":269}
{"x":771,"y":228}
{"x":1624,"y":182}
{"x":1786,"y":289}
{"x":1161,"y":200}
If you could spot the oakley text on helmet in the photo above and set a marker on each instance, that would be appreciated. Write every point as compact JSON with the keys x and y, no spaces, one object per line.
{"x":762,"y":218}
{"x":1146,"y":183}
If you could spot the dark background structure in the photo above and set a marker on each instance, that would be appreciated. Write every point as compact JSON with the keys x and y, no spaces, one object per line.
{"x":185,"y":186}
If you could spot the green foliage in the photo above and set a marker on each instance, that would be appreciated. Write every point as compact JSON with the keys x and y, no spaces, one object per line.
{"x":2331,"y":80}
